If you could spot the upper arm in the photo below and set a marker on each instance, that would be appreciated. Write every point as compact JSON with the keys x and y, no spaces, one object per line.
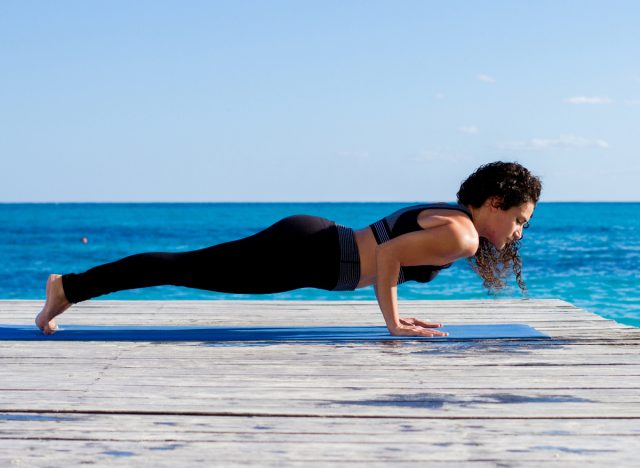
{"x":437,"y":245}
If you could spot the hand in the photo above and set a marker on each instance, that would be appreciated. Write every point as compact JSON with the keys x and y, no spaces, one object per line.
{"x":415,"y":327}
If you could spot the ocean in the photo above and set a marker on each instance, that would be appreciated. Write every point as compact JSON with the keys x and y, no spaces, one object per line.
{"x":584,"y":253}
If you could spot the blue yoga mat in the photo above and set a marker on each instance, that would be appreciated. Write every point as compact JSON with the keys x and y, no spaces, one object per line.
{"x":330,"y":334}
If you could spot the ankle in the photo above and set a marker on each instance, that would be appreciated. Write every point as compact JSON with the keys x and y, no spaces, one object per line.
{"x":60,"y":290}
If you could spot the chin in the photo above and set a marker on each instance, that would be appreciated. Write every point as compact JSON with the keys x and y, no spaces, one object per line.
{"x":498,"y":246}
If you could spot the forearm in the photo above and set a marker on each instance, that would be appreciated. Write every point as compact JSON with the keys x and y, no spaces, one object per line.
{"x":386,"y":288}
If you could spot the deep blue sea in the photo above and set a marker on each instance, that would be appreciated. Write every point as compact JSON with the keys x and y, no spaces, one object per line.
{"x":584,"y":253}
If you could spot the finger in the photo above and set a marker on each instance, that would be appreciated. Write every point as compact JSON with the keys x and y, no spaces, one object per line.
{"x":407,"y":321}
{"x":419,"y":331}
{"x":422,"y":323}
{"x":433,"y":333}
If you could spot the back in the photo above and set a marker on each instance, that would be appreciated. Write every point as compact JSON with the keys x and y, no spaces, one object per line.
{"x":403,"y":221}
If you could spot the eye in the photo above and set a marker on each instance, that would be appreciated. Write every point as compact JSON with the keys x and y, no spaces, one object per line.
{"x":521,"y":222}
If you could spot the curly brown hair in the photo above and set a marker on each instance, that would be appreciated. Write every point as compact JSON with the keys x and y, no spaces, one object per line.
{"x":513,"y":185}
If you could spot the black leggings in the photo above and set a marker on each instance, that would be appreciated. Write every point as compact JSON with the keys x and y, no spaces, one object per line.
{"x":299,"y":251}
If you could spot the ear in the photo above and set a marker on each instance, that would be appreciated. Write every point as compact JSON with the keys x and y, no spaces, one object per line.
{"x":494,"y":202}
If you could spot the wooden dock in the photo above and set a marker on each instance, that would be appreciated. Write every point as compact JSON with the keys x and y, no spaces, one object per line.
{"x":573,"y":400}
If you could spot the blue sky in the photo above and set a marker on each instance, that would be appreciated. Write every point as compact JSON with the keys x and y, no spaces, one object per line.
{"x":315,"y":101}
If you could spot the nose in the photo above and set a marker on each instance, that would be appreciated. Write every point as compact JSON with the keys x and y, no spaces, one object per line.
{"x":518,"y":234}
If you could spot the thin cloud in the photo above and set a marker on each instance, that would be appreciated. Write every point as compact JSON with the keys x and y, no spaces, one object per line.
{"x":588,"y":100}
{"x":472,"y":130}
{"x":632,"y":102}
{"x":563,"y":142}
{"x":439,"y":96}
{"x":486,"y":78}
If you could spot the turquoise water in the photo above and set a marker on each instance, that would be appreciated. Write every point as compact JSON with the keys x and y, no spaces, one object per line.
{"x":584,"y":253}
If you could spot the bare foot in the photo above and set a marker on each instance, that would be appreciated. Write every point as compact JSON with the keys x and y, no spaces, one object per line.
{"x":55,"y":304}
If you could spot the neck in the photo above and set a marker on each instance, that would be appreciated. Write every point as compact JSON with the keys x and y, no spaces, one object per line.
{"x":476,"y":214}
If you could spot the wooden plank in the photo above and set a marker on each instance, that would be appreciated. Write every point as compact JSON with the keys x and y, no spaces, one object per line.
{"x":236,"y":440}
{"x":572,"y":399}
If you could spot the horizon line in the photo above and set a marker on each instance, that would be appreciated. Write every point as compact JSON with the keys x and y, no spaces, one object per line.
{"x":278,"y":201}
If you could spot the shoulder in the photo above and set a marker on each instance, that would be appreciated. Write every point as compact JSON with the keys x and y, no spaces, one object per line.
{"x":455,"y":224}
{"x":466,"y":235}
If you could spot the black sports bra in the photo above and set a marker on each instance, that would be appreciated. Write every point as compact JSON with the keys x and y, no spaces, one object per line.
{"x":406,"y":220}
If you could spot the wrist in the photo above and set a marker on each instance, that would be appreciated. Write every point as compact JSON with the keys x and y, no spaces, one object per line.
{"x":393,"y":325}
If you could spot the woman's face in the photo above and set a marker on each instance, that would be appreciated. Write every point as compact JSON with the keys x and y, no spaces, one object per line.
{"x":506,"y":225}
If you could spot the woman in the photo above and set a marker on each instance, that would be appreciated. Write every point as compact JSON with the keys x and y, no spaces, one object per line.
{"x":495,"y":204}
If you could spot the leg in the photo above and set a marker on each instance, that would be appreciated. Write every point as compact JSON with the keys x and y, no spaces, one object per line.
{"x":132,"y":272}
{"x":270,"y":261}
{"x":296,"y":252}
